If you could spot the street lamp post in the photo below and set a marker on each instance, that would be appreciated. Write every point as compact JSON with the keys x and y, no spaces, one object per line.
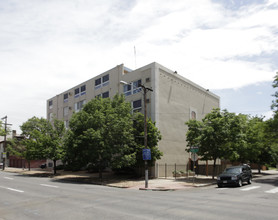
{"x":145,"y":90}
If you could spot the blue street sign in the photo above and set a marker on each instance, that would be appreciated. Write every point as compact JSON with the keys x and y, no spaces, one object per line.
{"x":146,"y":154}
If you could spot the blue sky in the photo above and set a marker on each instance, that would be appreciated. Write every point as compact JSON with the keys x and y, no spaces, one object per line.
{"x":48,"y":46}
{"x":254,"y":99}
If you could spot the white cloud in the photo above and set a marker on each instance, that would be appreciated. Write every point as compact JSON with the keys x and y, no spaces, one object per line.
{"x":50,"y":46}
{"x":268,"y":115}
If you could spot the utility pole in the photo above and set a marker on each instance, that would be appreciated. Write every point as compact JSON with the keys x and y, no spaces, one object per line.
{"x":5,"y":141}
{"x":4,"y":144}
{"x":145,"y":90}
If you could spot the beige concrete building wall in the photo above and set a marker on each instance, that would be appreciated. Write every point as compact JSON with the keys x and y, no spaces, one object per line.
{"x":174,"y":101}
{"x":178,"y":100}
{"x":59,"y":103}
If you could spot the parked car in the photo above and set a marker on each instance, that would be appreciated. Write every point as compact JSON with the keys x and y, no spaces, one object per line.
{"x":43,"y":166}
{"x":235,"y":175}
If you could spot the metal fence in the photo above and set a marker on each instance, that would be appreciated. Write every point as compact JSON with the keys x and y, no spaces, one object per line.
{"x":175,"y":170}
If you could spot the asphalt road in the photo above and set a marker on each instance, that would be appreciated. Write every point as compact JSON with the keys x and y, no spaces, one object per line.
{"x":23,"y":197}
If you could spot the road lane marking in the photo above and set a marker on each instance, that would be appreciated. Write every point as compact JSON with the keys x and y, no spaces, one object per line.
{"x":49,"y":185}
{"x":275,"y":190}
{"x":12,"y":189}
{"x":16,"y":190}
{"x":250,"y":188}
{"x":8,"y":178}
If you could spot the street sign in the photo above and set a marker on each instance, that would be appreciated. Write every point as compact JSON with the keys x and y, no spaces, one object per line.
{"x":146,"y":154}
{"x":194,"y":149}
{"x":194,"y":157}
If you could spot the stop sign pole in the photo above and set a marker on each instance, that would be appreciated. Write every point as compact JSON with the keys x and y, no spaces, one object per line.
{"x":194,"y":150}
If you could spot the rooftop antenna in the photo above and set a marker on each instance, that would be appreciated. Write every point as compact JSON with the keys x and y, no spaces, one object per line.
{"x":135,"y":57}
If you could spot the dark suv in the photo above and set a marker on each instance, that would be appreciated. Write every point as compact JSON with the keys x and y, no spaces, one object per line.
{"x":235,"y":175}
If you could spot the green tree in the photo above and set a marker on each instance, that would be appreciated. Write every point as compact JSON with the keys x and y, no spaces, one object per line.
{"x":34,"y":129}
{"x":16,"y":148}
{"x":236,"y":146}
{"x":274,"y":105}
{"x":101,"y":134}
{"x":271,"y":128}
{"x":218,"y":135}
{"x":153,"y":137}
{"x":2,"y":129}
{"x":239,"y":138}
{"x":42,"y":140}
{"x":53,"y":141}
{"x":211,"y":135}
{"x":270,"y":139}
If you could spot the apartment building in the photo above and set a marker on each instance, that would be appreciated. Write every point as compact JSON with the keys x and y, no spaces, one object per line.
{"x":174,"y":101}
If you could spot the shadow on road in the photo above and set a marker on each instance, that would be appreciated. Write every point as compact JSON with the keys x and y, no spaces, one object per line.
{"x":265,"y":180}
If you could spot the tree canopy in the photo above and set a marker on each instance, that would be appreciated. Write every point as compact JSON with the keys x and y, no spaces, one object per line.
{"x":101,"y":134}
{"x":2,"y":130}
{"x":210,"y":135}
{"x":34,"y":130}
{"x":153,"y":137}
{"x":105,"y":133}
{"x":229,"y":136}
{"x":42,"y":140}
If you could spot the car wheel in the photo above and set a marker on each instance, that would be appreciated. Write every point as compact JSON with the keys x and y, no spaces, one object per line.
{"x":239,"y":183}
{"x":250,"y":180}
{"x":219,"y":186}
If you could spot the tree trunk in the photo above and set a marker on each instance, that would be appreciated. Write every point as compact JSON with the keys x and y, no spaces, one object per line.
{"x":29,"y":165}
{"x":22,"y":163}
{"x":259,"y":168}
{"x":100,"y":171}
{"x":54,"y":168}
{"x":100,"y":167}
{"x":214,"y":168}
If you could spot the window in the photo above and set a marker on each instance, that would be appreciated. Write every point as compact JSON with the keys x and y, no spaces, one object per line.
{"x":50,"y":116}
{"x":76,"y":93}
{"x":50,"y":104}
{"x":136,"y":86}
{"x":83,"y":90}
{"x":132,"y":88}
{"x":193,"y":115}
{"x":103,"y":81}
{"x":105,"y":94}
{"x":79,"y":91}
{"x":66,"y":97}
{"x":78,"y":105}
{"x":66,"y":123}
{"x":66,"y":111}
{"x":127,"y":90}
{"x":97,"y":83}
{"x":137,"y":105}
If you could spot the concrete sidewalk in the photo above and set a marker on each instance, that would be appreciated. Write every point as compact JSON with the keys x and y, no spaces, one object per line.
{"x":119,"y":181}
{"x":123,"y":181}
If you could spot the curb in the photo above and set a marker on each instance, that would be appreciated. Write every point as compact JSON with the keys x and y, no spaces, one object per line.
{"x":153,"y":189}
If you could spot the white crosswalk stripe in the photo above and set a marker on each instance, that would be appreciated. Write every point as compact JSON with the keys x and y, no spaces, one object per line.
{"x":250,"y":188}
{"x":49,"y":185}
{"x":245,"y":189}
{"x":274,"y":190}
